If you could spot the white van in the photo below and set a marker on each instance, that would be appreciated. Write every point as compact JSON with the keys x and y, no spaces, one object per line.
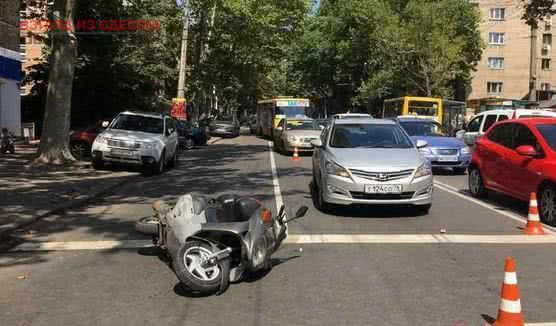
{"x":480,"y":123}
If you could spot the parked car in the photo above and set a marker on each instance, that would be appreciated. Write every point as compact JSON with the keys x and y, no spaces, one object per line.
{"x":370,"y":161}
{"x":444,"y":149}
{"x":518,"y":157}
{"x":295,"y":132}
{"x":80,"y":141}
{"x":149,"y":140}
{"x":191,"y":135}
{"x":224,"y":126}
{"x":252,"y":122}
{"x":480,"y":123}
{"x":323,"y":123}
{"x":351,"y":116}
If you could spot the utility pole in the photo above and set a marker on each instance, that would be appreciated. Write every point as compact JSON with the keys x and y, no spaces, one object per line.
{"x":183,"y":58}
{"x":533,"y":66}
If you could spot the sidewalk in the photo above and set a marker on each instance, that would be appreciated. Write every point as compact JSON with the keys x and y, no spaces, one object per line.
{"x":29,"y":192}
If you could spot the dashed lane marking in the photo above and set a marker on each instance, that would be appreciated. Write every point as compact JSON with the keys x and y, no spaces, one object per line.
{"x":456,"y":192}
{"x":308,"y":239}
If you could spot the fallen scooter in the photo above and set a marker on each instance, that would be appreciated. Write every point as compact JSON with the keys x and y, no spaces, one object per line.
{"x":214,"y":241}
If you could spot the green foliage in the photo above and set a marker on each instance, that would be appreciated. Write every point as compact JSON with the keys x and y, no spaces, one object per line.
{"x":361,"y":51}
{"x":536,"y":10}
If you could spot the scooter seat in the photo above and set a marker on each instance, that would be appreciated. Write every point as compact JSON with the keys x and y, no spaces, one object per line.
{"x":230,"y":208}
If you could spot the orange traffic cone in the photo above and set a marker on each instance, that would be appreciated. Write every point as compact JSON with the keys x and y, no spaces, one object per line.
{"x":295,"y":154}
{"x":534,"y":226}
{"x":509,"y":313}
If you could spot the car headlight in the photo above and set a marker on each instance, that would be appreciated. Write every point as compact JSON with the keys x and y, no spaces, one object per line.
{"x":100,"y":139}
{"x":465,"y":150}
{"x":423,"y":170}
{"x":335,"y":169}
{"x":425,"y":151}
{"x":292,"y":139}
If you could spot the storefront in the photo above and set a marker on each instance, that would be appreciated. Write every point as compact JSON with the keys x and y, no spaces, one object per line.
{"x":10,"y":98}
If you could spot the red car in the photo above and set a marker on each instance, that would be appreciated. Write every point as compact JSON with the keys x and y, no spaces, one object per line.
{"x":516,"y":158}
{"x":80,"y":141}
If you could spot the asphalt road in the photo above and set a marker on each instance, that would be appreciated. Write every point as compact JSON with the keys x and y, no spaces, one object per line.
{"x":353,"y":282}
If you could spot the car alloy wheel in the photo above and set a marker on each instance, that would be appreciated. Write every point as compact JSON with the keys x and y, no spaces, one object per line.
{"x":189,"y":143}
{"x":548,"y":205}
{"x":79,"y":150}
{"x":476,"y":186}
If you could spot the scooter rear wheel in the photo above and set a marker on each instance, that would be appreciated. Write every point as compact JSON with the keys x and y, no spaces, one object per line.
{"x":204,"y":280}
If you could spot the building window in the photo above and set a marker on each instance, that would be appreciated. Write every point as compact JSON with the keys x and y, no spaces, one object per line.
{"x":495,"y":63}
{"x":497,"y":13}
{"x":495,"y":38}
{"x":545,"y":64}
{"x":546,"y":39}
{"x":494,"y":87}
{"x":547,"y":23}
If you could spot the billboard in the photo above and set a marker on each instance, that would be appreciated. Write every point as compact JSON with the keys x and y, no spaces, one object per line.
{"x":179,"y":109}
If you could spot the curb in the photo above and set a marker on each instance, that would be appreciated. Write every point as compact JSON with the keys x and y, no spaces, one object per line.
{"x":7,"y":230}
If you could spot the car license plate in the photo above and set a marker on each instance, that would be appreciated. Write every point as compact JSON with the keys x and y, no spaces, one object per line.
{"x":122,"y":152}
{"x":451,"y":158}
{"x":383,"y":189}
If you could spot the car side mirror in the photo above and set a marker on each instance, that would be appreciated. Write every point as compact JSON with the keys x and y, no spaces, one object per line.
{"x":421,"y":143}
{"x":321,"y":127}
{"x":527,"y":150}
{"x":316,"y":143}
{"x":105,"y":124}
{"x":460,"y":133}
{"x":279,"y":128}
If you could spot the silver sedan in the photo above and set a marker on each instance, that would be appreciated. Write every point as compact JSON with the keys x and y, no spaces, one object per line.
{"x":295,"y":133}
{"x":370,"y":161}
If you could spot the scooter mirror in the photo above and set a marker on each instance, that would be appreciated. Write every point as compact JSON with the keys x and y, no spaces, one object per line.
{"x":301,"y":211}
{"x":281,"y":213}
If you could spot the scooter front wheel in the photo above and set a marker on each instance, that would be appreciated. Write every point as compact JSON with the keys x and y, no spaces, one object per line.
{"x":204,"y":279}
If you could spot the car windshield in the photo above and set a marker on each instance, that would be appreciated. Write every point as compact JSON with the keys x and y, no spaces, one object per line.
{"x":224,"y":118}
{"x":291,"y":111}
{"x":138,"y":123}
{"x":369,"y":136}
{"x":424,"y":128}
{"x":548,"y":132}
{"x":302,"y":125}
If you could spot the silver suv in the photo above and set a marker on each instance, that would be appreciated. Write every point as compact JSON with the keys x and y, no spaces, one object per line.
{"x":370,"y":161}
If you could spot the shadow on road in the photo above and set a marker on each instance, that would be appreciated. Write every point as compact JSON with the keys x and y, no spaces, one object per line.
{"x":217,"y":169}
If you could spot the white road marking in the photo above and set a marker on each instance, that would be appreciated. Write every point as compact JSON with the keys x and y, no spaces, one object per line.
{"x":307,"y":239}
{"x":275,"y":183}
{"x":513,"y":216}
{"x":417,"y":238}
{"x":83,"y":245}
{"x":541,"y":324}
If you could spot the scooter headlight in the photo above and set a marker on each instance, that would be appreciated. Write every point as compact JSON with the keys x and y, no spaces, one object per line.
{"x":258,"y":256}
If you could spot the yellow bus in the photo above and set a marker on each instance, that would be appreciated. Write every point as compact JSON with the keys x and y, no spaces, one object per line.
{"x":271,"y":111}
{"x":451,"y":114}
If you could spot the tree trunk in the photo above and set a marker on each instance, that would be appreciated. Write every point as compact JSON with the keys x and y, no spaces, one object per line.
{"x":55,"y":133}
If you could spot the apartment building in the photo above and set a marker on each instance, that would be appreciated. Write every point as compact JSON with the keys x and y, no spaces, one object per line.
{"x":503,"y":71}
{"x":32,"y":42}
{"x":10,"y":67}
